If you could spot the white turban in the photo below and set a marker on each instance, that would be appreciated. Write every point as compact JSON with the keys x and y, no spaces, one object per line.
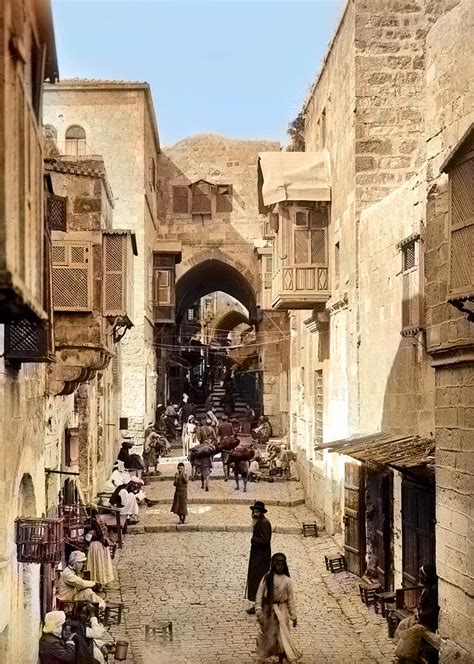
{"x":77,"y":557}
{"x":53,"y":622}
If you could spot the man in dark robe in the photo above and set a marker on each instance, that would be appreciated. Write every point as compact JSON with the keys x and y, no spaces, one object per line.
{"x":260,"y":551}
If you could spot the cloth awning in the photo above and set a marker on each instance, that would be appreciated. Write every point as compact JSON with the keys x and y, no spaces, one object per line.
{"x":383,"y":449}
{"x":294,"y":176}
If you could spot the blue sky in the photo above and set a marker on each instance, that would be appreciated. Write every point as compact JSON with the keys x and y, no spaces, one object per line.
{"x":241,"y":69}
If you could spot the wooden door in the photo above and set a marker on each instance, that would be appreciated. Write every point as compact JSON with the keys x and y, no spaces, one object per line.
{"x":382,"y":510}
{"x":354,"y":517}
{"x":418,"y":529}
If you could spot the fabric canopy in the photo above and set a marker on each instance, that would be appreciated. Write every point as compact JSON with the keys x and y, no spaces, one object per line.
{"x":294,"y":176}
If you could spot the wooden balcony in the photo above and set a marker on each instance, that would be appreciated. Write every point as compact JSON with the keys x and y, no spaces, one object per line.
{"x":300,"y":287}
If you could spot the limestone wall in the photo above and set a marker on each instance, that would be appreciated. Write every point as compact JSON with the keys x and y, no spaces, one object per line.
{"x":450,"y":336}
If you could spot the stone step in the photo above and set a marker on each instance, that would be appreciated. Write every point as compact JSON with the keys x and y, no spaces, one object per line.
{"x":210,"y":500}
{"x":206,"y":528}
{"x":215,"y":476}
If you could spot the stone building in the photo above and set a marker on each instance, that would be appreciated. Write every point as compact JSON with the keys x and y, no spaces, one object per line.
{"x":116,"y":119}
{"x":208,"y":205}
{"x":381,"y":364}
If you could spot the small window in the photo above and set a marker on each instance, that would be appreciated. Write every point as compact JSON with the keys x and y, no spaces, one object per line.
{"x":301,"y":218}
{"x":224,"y":198}
{"x":163,"y":286}
{"x":267,"y":271}
{"x":191,"y":314}
{"x":323,"y":128}
{"x":151,"y":174}
{"x":201,"y":198}
{"x":408,"y":256}
{"x":75,"y":141}
{"x":123,"y":423}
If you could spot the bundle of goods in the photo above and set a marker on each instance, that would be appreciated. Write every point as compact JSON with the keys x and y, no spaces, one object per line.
{"x":229,"y":443}
{"x":202,"y":451}
{"x":241,"y":453}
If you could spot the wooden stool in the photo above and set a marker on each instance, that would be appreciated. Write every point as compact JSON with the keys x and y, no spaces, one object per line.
{"x":310,"y":529}
{"x":335,"y":563}
{"x":162,"y":628}
{"x":367,"y":592}
{"x":381,"y":600}
{"x":112,"y":614}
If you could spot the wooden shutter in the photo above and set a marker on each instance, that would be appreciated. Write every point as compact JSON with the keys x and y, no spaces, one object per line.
{"x":224,"y":198}
{"x":164,"y":295}
{"x":412,"y":314}
{"x":267,"y":271}
{"x":181,"y":199}
{"x":461,"y":272}
{"x":201,"y":198}
{"x":301,"y":246}
{"x":57,"y":220}
{"x":72,"y":276}
{"x":114,"y":265}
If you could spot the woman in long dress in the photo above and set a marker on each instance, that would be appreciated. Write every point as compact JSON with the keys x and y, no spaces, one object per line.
{"x":180,"y":500}
{"x":190,"y":435}
{"x":274,"y":608}
{"x":99,"y":560}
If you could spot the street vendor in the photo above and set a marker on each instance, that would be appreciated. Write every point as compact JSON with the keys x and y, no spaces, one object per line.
{"x":72,"y":587}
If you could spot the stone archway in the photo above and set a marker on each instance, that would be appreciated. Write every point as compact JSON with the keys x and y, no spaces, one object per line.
{"x":213,"y":274}
{"x":226,"y":323}
{"x":26,"y":611}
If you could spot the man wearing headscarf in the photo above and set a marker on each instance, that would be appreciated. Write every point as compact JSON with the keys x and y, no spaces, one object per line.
{"x":260,"y":551}
{"x":118,"y":477}
{"x":72,"y":587}
{"x":53,"y":648}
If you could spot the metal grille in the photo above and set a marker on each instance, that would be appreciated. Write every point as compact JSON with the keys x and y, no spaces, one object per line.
{"x":318,"y":247}
{"x":26,"y":341}
{"x":462,"y":253}
{"x":70,"y":288}
{"x":301,"y":247}
{"x":57,"y":213}
{"x":409,"y":256}
{"x":58,"y":253}
{"x":180,"y":199}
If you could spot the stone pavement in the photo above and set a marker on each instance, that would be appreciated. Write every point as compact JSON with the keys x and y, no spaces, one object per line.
{"x":196,"y":578}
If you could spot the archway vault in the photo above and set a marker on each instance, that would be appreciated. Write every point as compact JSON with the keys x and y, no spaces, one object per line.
{"x":210,"y":275}
{"x":227,"y":322}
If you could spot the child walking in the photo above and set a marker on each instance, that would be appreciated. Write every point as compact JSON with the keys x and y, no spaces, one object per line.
{"x":180,"y":500}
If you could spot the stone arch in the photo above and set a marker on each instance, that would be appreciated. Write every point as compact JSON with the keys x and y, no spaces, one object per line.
{"x":228,"y":322}
{"x":250,"y":275}
{"x":26,"y":497}
{"x":212,"y":274}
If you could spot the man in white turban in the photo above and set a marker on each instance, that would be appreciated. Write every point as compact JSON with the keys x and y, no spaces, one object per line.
{"x":72,"y":587}
{"x":53,"y":649}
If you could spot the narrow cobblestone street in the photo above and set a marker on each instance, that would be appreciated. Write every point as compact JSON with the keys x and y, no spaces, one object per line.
{"x":194,"y":575}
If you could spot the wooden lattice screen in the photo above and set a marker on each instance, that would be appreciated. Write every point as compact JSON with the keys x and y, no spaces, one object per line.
{"x":462,"y":228}
{"x":72,"y":276}
{"x":57,"y":219}
{"x":180,"y":199}
{"x":201,"y":198}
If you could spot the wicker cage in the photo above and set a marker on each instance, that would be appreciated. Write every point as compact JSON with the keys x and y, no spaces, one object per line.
{"x":39,"y":540}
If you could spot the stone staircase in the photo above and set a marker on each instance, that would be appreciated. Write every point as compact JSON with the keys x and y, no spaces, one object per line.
{"x":217,"y":394}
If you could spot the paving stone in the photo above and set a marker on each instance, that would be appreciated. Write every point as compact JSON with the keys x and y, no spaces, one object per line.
{"x":194,"y":574}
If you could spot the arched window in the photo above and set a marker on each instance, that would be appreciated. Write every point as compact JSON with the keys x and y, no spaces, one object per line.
{"x":75,"y":140}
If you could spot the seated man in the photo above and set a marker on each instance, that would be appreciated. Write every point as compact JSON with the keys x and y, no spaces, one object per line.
{"x":124,"y":498}
{"x":72,"y":587}
{"x":254,"y":471}
{"x":263,"y":432}
{"x":53,"y":646}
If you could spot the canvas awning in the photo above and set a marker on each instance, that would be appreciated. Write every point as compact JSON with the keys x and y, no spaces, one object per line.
{"x":294,"y":176}
{"x":383,"y":449}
